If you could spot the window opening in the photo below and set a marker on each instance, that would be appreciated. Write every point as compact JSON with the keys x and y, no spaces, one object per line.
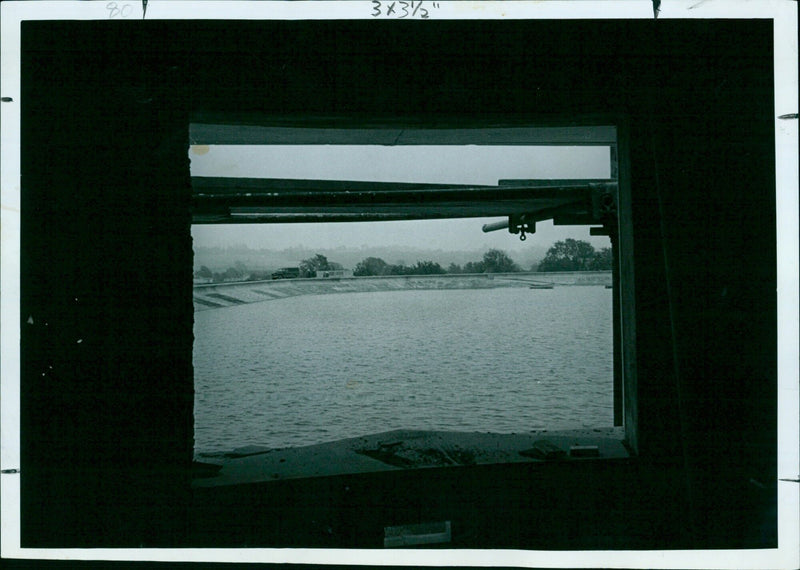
{"x":311,"y":338}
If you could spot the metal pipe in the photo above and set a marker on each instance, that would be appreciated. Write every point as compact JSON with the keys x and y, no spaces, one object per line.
{"x":494,"y":226}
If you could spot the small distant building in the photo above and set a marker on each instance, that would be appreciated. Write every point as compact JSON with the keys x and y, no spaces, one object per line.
{"x":334,"y":273}
{"x":287,"y":273}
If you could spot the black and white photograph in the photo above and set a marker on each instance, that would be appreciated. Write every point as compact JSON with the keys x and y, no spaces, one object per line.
{"x":400,"y":283}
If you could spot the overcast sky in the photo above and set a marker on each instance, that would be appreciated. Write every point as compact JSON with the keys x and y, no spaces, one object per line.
{"x":471,"y":164}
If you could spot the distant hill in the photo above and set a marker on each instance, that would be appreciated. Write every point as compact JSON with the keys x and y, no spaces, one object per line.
{"x":220,"y":258}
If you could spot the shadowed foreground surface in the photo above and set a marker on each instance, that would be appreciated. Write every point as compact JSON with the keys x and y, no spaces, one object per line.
{"x":399,"y":449}
{"x":397,"y":478}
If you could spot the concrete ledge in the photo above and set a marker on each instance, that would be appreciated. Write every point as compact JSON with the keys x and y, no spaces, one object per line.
{"x":400,"y":449}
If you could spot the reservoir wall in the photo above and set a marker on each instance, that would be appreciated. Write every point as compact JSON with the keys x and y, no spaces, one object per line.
{"x":220,"y":295}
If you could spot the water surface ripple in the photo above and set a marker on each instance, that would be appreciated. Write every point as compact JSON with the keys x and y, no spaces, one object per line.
{"x":311,"y":369}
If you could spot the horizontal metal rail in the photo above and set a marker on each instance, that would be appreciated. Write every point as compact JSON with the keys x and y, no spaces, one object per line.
{"x":225,"y":200}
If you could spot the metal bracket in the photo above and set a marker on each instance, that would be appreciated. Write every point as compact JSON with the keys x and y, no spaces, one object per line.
{"x":604,"y":202}
{"x":519,"y":224}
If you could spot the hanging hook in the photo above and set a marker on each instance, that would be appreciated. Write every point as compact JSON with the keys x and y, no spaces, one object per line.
{"x":522,"y":235}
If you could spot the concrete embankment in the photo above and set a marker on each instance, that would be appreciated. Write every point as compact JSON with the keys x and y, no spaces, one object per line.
{"x":561,"y":277}
{"x":219,"y":295}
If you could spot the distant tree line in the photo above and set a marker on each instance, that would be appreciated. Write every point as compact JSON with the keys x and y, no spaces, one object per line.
{"x":566,"y":255}
{"x":309,"y":267}
{"x":494,"y":261}
{"x":238,"y":272}
{"x":576,"y":255}
{"x":377,"y":266}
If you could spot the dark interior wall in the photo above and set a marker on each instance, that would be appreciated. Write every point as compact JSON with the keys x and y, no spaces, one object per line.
{"x":107,"y":389}
{"x":106,"y":253}
{"x":702,"y":173}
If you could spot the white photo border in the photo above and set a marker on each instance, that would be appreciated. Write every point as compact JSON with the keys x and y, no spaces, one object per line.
{"x":783,"y":13}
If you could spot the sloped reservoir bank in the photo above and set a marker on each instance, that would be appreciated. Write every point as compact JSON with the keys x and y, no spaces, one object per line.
{"x":220,"y":295}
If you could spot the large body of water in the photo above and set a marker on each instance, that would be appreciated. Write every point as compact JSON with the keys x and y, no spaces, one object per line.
{"x":312,"y":369}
